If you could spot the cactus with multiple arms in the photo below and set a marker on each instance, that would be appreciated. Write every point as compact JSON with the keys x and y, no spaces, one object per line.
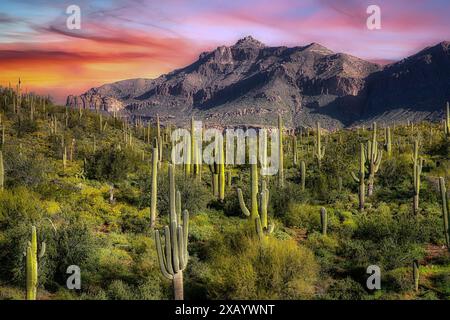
{"x":32,"y":264}
{"x":319,"y":151}
{"x":173,"y":256}
{"x":261,"y":220}
{"x":360,"y":177}
{"x":373,"y":156}
{"x":445,"y":211}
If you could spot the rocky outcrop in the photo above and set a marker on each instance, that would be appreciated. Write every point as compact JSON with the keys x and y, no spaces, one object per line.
{"x":250,"y":83}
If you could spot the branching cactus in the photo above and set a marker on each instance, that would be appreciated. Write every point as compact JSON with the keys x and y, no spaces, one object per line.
{"x":418,"y":163}
{"x":373,"y":156}
{"x":32,"y":264}
{"x":263,"y":228}
{"x":173,"y":256}
{"x":445,"y":211}
{"x":154,"y":186}
{"x":324,"y":220}
{"x":319,"y":151}
{"x":360,"y":177}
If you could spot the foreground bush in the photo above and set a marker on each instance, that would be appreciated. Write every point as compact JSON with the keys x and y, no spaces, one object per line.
{"x":276,"y":269}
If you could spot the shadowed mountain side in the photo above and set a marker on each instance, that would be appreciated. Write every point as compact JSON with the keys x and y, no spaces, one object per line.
{"x":249,"y":84}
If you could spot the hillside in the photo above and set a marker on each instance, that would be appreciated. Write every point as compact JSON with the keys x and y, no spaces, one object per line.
{"x":90,"y":185}
{"x":250,"y":83}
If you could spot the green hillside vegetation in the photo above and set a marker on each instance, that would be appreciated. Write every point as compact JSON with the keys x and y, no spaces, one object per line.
{"x":77,"y":188}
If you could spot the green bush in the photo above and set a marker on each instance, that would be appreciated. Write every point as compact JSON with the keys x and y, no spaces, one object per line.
{"x":276,"y":269}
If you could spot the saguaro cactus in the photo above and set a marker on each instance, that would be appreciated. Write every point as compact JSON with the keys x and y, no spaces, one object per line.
{"x":154,"y":186}
{"x":445,"y":211}
{"x":417,"y":168}
{"x":2,"y":172}
{"x":294,"y":149}
{"x":280,"y":153}
{"x":416,"y":275}
{"x":221,"y":173}
{"x":388,"y":143}
{"x":447,"y":121}
{"x":303,"y":174}
{"x":373,"y":156}
{"x":32,"y":264}
{"x":261,"y":221}
{"x":324,"y":220}
{"x":319,"y":151}
{"x":360,"y":177}
{"x":173,"y":257}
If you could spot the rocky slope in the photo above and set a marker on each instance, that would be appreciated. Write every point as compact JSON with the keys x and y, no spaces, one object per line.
{"x":249,"y":84}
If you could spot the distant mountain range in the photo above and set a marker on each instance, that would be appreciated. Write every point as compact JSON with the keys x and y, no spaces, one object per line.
{"x":250,"y":83}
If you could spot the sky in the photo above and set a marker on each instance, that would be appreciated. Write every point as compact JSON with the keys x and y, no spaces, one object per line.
{"x":122,"y":39}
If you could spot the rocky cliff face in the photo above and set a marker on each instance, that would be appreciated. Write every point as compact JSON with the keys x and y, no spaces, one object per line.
{"x":249,"y":84}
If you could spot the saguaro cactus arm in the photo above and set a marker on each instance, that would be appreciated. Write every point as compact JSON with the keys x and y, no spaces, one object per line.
{"x":242,"y":203}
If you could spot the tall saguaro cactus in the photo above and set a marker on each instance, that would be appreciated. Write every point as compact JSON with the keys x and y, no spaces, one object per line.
{"x":388,"y":142}
{"x":303,"y":174}
{"x":324,"y":220}
{"x":154,"y":186}
{"x":447,"y":121}
{"x":173,"y":256}
{"x":416,"y":275}
{"x":373,"y":156}
{"x":261,"y":220}
{"x":319,"y":151}
{"x":445,"y":211}
{"x":280,"y":153}
{"x":32,"y":264}
{"x":417,"y":168}
{"x":294,"y":149}
{"x":360,"y":177}
{"x":2,"y":172}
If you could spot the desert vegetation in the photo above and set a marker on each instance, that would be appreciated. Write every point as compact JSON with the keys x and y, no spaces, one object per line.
{"x":81,"y":187}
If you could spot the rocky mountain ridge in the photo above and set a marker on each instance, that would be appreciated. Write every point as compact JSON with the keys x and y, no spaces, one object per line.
{"x":250,"y":83}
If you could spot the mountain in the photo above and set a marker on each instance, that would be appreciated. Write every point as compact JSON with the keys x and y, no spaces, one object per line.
{"x":249,"y":83}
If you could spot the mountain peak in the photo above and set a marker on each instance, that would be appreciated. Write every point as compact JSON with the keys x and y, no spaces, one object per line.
{"x":319,"y":48}
{"x":249,"y":41}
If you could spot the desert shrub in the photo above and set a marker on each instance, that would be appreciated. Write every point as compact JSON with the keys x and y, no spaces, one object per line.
{"x":133,"y":221}
{"x":276,"y":269}
{"x":23,"y":169}
{"x":398,"y":280}
{"x":194,"y":195}
{"x":75,"y":245}
{"x":346,"y":289}
{"x":111,"y":164}
{"x":24,"y":126}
